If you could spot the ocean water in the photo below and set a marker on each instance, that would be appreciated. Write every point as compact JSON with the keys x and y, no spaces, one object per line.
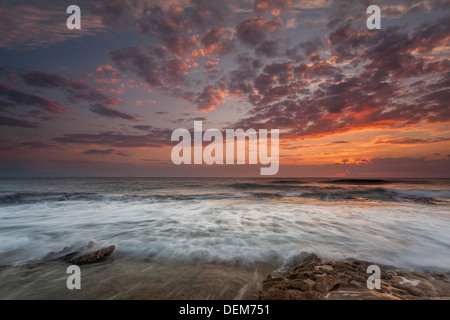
{"x":200,"y":238}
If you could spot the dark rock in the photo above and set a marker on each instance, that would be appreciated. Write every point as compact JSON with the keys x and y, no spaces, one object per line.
{"x":91,"y":257}
{"x":84,"y":255}
{"x":317,"y":279}
{"x":302,"y":257}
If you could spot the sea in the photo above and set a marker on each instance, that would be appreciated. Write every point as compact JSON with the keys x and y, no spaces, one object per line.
{"x":210,"y":238}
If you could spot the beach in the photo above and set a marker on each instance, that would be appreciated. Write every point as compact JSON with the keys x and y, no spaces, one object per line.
{"x":193,"y":238}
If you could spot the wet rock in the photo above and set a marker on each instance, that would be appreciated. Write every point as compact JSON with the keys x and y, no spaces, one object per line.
{"x":316,"y":279}
{"x":85,"y":255}
{"x":91,"y":257}
{"x":302,"y":257}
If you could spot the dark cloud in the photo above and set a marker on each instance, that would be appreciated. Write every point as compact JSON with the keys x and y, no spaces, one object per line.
{"x":143,"y":127}
{"x":36,"y":145}
{"x":430,"y":34}
{"x":254,"y":31}
{"x":155,"y":139}
{"x":207,"y":13}
{"x":43,"y":80}
{"x":95,"y":96}
{"x":410,"y":141}
{"x":48,"y":80}
{"x":77,"y":89}
{"x":118,"y":14}
{"x":154,"y":65}
{"x":218,"y":42}
{"x":440,"y":4}
{"x":311,"y":46}
{"x":7,"y":121}
{"x":171,"y":27}
{"x":104,"y":152}
{"x":268,"y":48}
{"x":210,"y":98}
{"x":26,"y":25}
{"x":112,"y":113}
{"x":79,"y":83}
{"x":240,"y":80}
{"x":10,"y":96}
{"x":96,"y":152}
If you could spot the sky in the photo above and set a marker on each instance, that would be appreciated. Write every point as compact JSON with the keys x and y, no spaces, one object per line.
{"x":104,"y":100}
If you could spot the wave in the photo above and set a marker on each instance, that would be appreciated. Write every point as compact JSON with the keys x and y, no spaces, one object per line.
{"x":429,"y":196}
{"x":247,"y":191}
{"x":360,"y":181}
{"x":287,"y":182}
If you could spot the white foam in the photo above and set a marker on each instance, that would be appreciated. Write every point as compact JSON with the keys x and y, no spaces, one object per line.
{"x":422,"y":193}
{"x":411,"y":282}
{"x":292,"y":194}
{"x":244,"y":230}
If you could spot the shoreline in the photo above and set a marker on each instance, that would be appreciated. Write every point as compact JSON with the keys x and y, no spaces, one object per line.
{"x":306,"y":277}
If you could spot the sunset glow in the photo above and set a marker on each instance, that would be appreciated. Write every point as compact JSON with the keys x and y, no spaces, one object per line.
{"x":103,"y":100}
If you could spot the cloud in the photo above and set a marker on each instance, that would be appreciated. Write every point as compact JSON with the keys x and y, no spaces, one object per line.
{"x":272,"y":6}
{"x":49,"y":80}
{"x":79,"y":83}
{"x":112,"y":113}
{"x":143,"y":127}
{"x":170,"y":27}
{"x":330,"y":144}
{"x":96,"y":96}
{"x":104,"y":152}
{"x":77,"y":88}
{"x":218,"y":42}
{"x":410,"y":141}
{"x":36,"y":145}
{"x":154,"y":65}
{"x":97,"y":152}
{"x":268,"y":48}
{"x":105,"y":74}
{"x":254,"y":31}
{"x":25,"y":26}
{"x":210,"y":98}
{"x":7,"y":121}
{"x":118,"y":14}
{"x":212,"y":66}
{"x":155,"y":139}
{"x":43,"y":80}
{"x":10,"y":96}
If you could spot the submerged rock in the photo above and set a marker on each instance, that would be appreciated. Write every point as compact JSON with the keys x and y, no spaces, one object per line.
{"x":317,"y":279}
{"x":83,"y":255}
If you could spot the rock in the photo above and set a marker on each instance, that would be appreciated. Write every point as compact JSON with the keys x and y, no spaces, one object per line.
{"x":84,"y":255}
{"x":317,"y":279}
{"x":91,"y":257}
{"x":302,"y":257}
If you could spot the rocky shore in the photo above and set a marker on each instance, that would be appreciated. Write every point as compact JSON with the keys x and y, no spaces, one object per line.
{"x":312,"y":278}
